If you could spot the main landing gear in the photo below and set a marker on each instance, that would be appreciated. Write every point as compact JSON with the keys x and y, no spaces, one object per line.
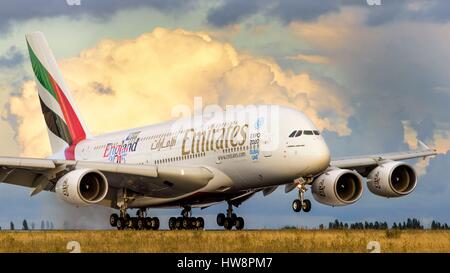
{"x":186,"y":221}
{"x":141,"y":222}
{"x":230,"y":220}
{"x":301,"y":203}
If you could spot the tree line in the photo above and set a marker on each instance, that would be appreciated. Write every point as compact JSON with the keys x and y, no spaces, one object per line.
{"x":44,"y":225}
{"x":410,"y":223}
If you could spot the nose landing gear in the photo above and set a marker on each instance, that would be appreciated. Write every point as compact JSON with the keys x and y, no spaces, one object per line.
{"x":301,"y":203}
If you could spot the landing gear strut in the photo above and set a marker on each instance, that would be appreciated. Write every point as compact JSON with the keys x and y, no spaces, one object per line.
{"x":186,"y":221}
{"x":124,"y":221}
{"x":301,"y":203}
{"x":230,"y":220}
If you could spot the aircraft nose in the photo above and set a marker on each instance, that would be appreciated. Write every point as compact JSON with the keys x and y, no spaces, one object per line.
{"x":320,"y":157}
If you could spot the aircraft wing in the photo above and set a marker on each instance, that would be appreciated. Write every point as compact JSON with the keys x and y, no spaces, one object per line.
{"x":364,"y":163}
{"x":148,"y":180}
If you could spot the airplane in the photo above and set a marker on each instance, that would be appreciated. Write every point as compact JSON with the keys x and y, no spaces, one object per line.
{"x":227,"y":157}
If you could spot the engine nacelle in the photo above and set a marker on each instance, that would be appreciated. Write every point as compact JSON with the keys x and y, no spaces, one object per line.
{"x":392,"y":179}
{"x":337,"y":187}
{"x":82,"y":187}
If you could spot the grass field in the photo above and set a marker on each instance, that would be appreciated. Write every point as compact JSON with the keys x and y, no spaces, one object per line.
{"x":226,"y":241}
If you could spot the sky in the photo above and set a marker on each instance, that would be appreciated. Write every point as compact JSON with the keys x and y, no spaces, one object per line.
{"x":373,"y":78}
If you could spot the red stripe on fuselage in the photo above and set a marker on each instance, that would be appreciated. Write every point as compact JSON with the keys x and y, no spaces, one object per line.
{"x":73,"y":123}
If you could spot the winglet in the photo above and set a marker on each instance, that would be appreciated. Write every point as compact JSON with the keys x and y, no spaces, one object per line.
{"x":422,"y":145}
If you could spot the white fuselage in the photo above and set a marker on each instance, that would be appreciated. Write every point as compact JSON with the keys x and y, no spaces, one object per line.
{"x":244,"y":151}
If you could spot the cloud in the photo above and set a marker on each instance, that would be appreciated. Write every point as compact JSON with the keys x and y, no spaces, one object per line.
{"x":314,"y":59}
{"x":435,"y":11}
{"x":145,"y":79}
{"x":303,"y":10}
{"x":233,"y":11}
{"x":13,"y":57}
{"x":386,"y":81}
{"x":442,"y":141}
{"x":390,"y":84}
{"x":22,"y":10}
{"x":410,"y":138}
{"x":337,"y":27}
{"x":410,"y":135}
{"x":289,"y":11}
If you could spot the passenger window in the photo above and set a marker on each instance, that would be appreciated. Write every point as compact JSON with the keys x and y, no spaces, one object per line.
{"x":309,"y":133}
{"x":316,"y":132}
{"x":299,"y":133}
{"x":293,"y":133}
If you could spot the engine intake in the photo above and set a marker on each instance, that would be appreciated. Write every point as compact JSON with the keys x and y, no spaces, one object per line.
{"x":337,"y":187}
{"x":392,"y":179}
{"x":82,"y":187}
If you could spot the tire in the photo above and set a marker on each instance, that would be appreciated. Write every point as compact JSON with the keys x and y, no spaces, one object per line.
{"x":200,"y":223}
{"x":172,"y":223}
{"x":297,"y":205}
{"x":132,"y":223}
{"x":140,"y":224}
{"x":155,"y":223}
{"x":178,"y":223}
{"x":228,"y":223}
{"x":306,"y":205}
{"x":193,"y":223}
{"x":120,"y":223}
{"x":185,"y":223}
{"x":220,"y":219}
{"x":113,"y":219}
{"x":148,"y":222}
{"x":240,"y":223}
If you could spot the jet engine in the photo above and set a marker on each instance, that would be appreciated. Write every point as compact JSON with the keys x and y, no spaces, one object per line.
{"x":337,"y":187}
{"x":392,"y":179}
{"x":82,"y":187}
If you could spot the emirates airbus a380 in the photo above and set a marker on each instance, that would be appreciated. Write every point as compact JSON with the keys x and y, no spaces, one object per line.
{"x":185,"y":163}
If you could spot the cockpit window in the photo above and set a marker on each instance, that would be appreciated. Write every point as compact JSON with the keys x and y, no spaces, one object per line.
{"x":293,"y":133}
{"x":307,"y":132}
{"x":316,"y":132}
{"x":299,"y":133}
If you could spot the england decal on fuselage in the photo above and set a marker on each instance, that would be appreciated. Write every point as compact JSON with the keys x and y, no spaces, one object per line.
{"x":117,"y":152}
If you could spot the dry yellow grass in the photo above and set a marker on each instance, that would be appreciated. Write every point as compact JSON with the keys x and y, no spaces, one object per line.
{"x":226,"y":241}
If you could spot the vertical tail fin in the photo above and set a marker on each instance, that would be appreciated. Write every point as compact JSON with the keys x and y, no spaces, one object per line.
{"x":65,"y":128}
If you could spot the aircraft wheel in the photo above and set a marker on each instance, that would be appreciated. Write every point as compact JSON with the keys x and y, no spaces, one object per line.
{"x":220,"y":219}
{"x":120,"y":223}
{"x":140,"y":224}
{"x":179,"y":223}
{"x":200,"y":223}
{"x":228,"y":223}
{"x":113,"y":219}
{"x":185,"y":224}
{"x":132,"y":223}
{"x":239,"y":223}
{"x":192,"y":223}
{"x":306,"y":205}
{"x":147,"y":223}
{"x":172,"y":223}
{"x":155,"y":223}
{"x":297,"y":205}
